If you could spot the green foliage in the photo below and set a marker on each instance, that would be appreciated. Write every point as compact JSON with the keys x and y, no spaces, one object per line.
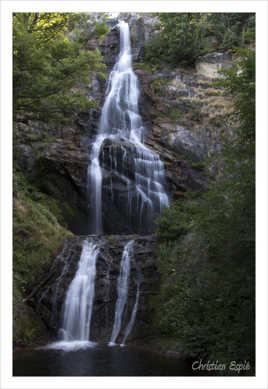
{"x":239,"y":81}
{"x":47,"y":66}
{"x":175,"y":221}
{"x":208,"y":306}
{"x":101,"y":29}
{"x":145,"y":66}
{"x":182,"y":37}
{"x":207,"y":254}
{"x":232,"y":29}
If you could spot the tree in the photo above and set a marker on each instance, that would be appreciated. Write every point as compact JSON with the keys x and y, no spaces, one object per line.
{"x":208,"y":250}
{"x":182,"y":37}
{"x":48,"y":66}
{"x":231,"y":29}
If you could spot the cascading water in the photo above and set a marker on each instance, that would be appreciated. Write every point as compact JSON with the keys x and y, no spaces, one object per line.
{"x":133,"y":317}
{"x":75,"y":332}
{"x":120,"y":121}
{"x":77,"y":316}
{"x":122,"y":290}
{"x":121,"y":124}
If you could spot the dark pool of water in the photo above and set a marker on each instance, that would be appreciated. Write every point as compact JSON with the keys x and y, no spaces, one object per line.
{"x":98,"y":361}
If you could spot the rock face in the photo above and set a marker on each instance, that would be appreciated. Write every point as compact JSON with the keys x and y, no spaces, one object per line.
{"x":49,"y":293}
{"x":187,"y":143}
{"x":210,"y":65}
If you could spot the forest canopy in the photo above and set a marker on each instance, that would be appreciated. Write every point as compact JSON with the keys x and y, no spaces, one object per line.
{"x":48,"y":65}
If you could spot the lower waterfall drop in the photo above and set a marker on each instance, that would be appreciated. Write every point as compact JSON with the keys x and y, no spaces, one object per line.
{"x":122,"y":290}
{"x":75,"y":333}
{"x":133,"y":317}
{"x":80,"y":296}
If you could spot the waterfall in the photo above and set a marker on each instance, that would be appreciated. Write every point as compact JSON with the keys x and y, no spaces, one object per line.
{"x":133,"y":317}
{"x":120,"y":121}
{"x":75,"y":332}
{"x":144,"y":180}
{"x":122,"y":290}
{"x":95,"y":186}
{"x":80,"y":296}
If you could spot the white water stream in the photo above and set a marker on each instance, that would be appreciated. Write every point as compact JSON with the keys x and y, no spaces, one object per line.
{"x":132,"y":318}
{"x":120,"y":120}
{"x":75,"y":332}
{"x":122,"y":290}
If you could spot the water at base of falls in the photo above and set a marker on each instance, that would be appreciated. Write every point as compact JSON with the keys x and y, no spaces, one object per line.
{"x":99,"y":361}
{"x":69,"y":345}
{"x":120,"y":120}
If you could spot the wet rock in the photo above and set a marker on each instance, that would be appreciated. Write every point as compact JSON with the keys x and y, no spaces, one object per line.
{"x":110,"y":47}
{"x":49,"y":292}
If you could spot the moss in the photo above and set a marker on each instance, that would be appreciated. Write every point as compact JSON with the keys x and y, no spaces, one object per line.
{"x":174,"y":114}
{"x":34,"y":137}
{"x":27,"y":326}
{"x":37,"y":237}
{"x":198,"y":165}
{"x":110,"y":238}
{"x":157,"y":87}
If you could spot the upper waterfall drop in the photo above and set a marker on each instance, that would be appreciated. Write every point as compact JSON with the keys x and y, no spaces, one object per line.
{"x":137,"y":168}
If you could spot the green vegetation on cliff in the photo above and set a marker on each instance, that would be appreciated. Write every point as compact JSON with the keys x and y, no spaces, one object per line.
{"x":37,"y":237}
{"x":207,"y":245}
{"x":182,"y":37}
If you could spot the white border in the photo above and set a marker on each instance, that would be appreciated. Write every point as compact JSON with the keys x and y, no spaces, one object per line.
{"x":7,"y":7}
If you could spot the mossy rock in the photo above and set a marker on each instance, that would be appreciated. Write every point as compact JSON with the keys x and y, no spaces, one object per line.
{"x":28,"y":328}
